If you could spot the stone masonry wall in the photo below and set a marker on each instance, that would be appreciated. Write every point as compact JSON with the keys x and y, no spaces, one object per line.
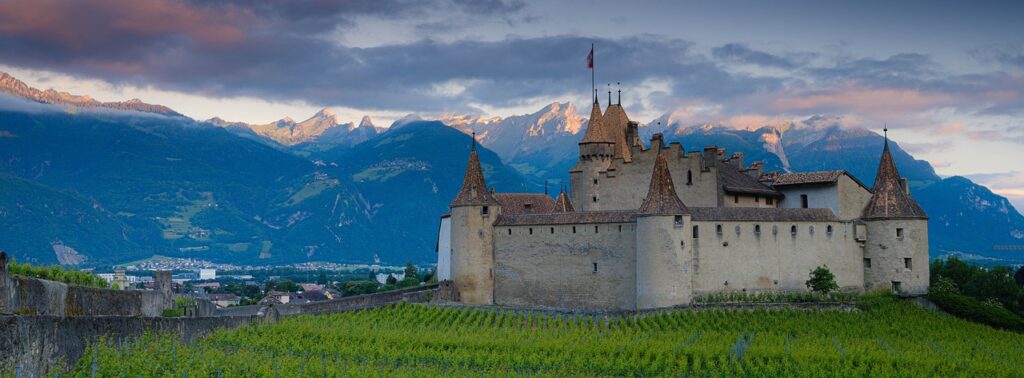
{"x":556,"y":269}
{"x":774,"y":259}
{"x":37,"y":344}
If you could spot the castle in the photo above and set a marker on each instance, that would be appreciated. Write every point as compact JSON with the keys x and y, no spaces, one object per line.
{"x":654,"y":226}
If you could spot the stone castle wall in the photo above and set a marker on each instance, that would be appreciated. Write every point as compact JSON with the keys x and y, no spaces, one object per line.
{"x":775,"y":259}
{"x":626,"y":186}
{"x":557,"y":269}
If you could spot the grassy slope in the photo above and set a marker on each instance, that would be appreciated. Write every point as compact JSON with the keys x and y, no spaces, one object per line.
{"x":884,"y":338}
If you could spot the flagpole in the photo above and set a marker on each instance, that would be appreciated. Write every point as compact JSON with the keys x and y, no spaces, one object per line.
{"x":593,"y":85}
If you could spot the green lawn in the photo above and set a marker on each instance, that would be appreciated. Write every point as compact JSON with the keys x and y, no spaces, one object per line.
{"x":882,"y":337}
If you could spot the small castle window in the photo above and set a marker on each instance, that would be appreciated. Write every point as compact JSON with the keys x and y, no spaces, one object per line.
{"x":574,"y":229}
{"x":899,"y":233}
{"x":531,"y":230}
{"x":510,"y":231}
{"x":595,"y":181}
{"x":595,"y":267}
{"x":792,"y":230}
{"x":696,"y":234}
{"x":737,"y":230}
{"x":908,"y":263}
{"x":596,"y":230}
{"x":757,"y":199}
{"x":689,"y":177}
{"x":811,"y":230}
{"x":769,"y":201}
{"x":897,"y":287}
{"x":678,"y":220}
{"x":867,"y":263}
{"x":552,"y":230}
{"x":718,"y":229}
{"x":485,"y":210}
{"x":757,"y":229}
{"x":736,"y":198}
{"x":595,"y":198}
{"x":620,"y":228}
{"x":828,"y":230}
{"x":803,"y":201}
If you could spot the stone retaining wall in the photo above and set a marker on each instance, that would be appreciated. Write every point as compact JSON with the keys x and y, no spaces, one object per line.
{"x":35,"y":344}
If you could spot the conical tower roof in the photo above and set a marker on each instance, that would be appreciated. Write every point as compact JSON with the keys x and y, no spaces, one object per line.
{"x":661,"y":196}
{"x":595,"y":128}
{"x":563,"y":204}
{"x":614,"y":123}
{"x":889,"y":199}
{"x":474,"y":189}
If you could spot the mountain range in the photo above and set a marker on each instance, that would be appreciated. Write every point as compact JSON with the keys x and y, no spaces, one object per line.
{"x":95,"y":184}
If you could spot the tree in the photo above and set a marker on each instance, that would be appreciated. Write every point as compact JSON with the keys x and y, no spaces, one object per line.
{"x":822,"y":280}
{"x":358,"y":287}
{"x":410,"y":270}
{"x":391,"y":279}
{"x":321,"y":279}
{"x":287,"y":285}
{"x":1019,"y":276}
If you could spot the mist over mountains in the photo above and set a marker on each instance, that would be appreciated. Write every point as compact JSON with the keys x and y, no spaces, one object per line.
{"x":93,"y":184}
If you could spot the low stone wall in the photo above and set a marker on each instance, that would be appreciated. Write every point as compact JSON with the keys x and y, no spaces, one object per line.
{"x":37,"y":343}
{"x":32,"y":296}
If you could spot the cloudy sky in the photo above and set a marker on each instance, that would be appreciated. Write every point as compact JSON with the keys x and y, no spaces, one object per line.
{"x":947,"y":77}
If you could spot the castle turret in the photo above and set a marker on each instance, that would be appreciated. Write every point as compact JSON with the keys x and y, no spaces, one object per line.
{"x":896,"y":249}
{"x":664,"y":253}
{"x":473,"y":213}
{"x":596,"y":151}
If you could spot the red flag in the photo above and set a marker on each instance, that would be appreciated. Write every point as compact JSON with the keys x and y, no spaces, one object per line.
{"x":590,"y":58}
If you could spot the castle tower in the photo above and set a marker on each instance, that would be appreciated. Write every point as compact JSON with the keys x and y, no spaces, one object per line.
{"x":896,"y":250}
{"x":596,"y":151}
{"x":473,"y":212}
{"x":664,"y":253}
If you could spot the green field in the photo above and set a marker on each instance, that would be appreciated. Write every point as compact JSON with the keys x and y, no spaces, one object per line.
{"x":881,"y":337}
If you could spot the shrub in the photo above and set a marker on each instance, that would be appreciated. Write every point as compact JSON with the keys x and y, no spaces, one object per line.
{"x":56,"y":273}
{"x":822,"y":280}
{"x":977,"y":311}
{"x":173,"y":313}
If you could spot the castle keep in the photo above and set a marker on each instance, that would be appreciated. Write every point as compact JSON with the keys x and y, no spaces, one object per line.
{"x":649,"y":226}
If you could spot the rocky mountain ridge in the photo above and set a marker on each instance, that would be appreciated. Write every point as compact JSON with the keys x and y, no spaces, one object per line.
{"x":15,"y":87}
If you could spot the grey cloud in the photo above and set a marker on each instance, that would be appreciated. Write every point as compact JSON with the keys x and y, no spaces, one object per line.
{"x":741,"y":53}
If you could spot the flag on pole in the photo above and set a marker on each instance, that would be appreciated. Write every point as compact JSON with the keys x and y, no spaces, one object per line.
{"x":590,"y":58}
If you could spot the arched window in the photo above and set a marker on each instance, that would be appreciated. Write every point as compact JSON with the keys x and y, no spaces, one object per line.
{"x":757,"y":229}
{"x":531,"y":230}
{"x":689,"y":177}
{"x":574,"y":229}
{"x":510,"y":231}
{"x":792,"y":230}
{"x":718,"y":229}
{"x":552,"y":230}
{"x":828,"y":230}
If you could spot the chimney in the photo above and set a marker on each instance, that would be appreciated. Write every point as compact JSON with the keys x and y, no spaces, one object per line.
{"x":657,"y":141}
{"x":710,"y":154}
{"x":737,"y":160}
{"x":756,"y":170}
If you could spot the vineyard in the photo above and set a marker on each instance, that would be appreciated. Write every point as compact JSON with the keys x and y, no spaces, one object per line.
{"x":882,"y":337}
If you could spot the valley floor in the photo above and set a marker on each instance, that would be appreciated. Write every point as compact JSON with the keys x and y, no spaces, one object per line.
{"x":883,"y":336}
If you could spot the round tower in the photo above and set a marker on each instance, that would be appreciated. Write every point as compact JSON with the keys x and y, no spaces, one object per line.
{"x":896,"y":249}
{"x":664,"y":253}
{"x":473,"y":212}
{"x":596,"y":152}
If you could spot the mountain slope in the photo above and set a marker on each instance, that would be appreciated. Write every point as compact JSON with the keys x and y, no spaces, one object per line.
{"x":408,"y":176}
{"x":967,"y":217}
{"x":43,"y":225}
